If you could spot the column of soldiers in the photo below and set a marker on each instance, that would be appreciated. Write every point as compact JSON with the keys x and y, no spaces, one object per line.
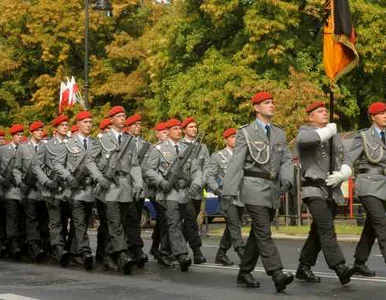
{"x":49,"y":189}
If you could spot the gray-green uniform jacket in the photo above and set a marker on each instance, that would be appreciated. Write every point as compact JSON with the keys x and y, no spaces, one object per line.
{"x":160,"y":159}
{"x":216,"y":171}
{"x":26,"y":157}
{"x":368,"y":149}
{"x":203,"y":158}
{"x":314,"y":160}
{"x":129,"y":175}
{"x":44,"y":168}
{"x":70,"y":161}
{"x":254,"y":153}
{"x":7,"y":161}
{"x":142,"y":144}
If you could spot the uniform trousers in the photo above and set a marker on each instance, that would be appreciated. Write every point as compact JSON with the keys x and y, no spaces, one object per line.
{"x":189,"y":226}
{"x":81,"y":212}
{"x":103,"y":239}
{"x":59,"y":213}
{"x":37,"y":221}
{"x":175,"y":217}
{"x":260,"y":242}
{"x":156,"y":235}
{"x":3,"y":223}
{"x":13,"y":209}
{"x":375,"y":228}
{"x":322,"y":235}
{"x":123,"y":225}
{"x":232,"y":232}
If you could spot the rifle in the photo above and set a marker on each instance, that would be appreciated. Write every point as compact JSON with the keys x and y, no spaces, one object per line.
{"x":142,"y":152}
{"x":176,"y":170}
{"x":78,"y":175}
{"x":7,"y":174}
{"x":112,"y":169}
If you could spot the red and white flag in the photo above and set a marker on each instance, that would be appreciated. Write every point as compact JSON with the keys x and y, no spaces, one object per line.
{"x":69,"y":94}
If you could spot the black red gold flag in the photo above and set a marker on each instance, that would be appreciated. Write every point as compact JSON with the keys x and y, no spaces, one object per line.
{"x":339,"y":53}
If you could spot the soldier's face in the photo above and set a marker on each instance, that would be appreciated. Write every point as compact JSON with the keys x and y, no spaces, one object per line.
{"x":379,"y":119}
{"x":62,"y":128}
{"x":16,"y":138}
{"x":84,"y":126}
{"x":107,"y":129}
{"x":319,"y":116}
{"x":231,"y":141}
{"x":118,"y":121}
{"x":191,"y":130}
{"x":38,"y":134}
{"x":162,"y":135}
{"x":265,"y":108}
{"x":136,"y":128}
{"x":175,"y":133}
{"x":2,"y":140}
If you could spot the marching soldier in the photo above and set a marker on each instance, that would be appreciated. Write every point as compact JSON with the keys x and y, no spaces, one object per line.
{"x":259,"y":171}
{"x":103,"y":231}
{"x":189,"y":126}
{"x":369,"y":149}
{"x":113,"y":165}
{"x":172,"y":197}
{"x":3,"y":226}
{"x":36,"y":219}
{"x":70,"y":166}
{"x":234,"y":213}
{"x":52,"y":188}
{"x":313,"y":146}
{"x":161,"y":133}
{"x":11,"y":192}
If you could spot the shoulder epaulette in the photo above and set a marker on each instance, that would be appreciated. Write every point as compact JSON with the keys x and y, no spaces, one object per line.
{"x":244,"y":126}
{"x":277,"y":126}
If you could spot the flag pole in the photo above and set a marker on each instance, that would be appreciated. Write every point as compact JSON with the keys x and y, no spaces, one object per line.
{"x":331,"y":166}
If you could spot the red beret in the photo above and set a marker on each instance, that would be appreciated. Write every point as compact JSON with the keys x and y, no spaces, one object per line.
{"x":173,"y":122}
{"x":160,"y":126}
{"x":260,"y":97}
{"x":311,"y":107}
{"x":2,"y":132}
{"x":104,"y":123}
{"x":116,"y":110}
{"x":376,"y":108}
{"x":132,"y":119}
{"x":227,"y":133}
{"x":83,"y":115}
{"x":187,"y":121}
{"x":59,"y":119}
{"x":74,"y":128}
{"x":16,"y":128}
{"x":36,"y":125}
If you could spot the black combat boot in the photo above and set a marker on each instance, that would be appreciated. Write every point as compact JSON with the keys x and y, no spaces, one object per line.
{"x":344,"y":273}
{"x":140,"y":258}
{"x":109,"y":263}
{"x":362,"y":269}
{"x":247,"y":280}
{"x":222,"y":258}
{"x":281,"y":280}
{"x":88,"y":261}
{"x":305,"y":273}
{"x":198,"y":257}
{"x":63,"y":256}
{"x":184,"y":262}
{"x":165,"y":261}
{"x":37,"y":254}
{"x":125,"y":263}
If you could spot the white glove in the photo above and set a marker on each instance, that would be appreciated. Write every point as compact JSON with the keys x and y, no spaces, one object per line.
{"x":327,"y":132}
{"x":339,"y":176}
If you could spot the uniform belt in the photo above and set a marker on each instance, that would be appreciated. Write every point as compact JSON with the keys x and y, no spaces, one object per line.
{"x":314,"y":183}
{"x":372,"y":171}
{"x":260,"y":174}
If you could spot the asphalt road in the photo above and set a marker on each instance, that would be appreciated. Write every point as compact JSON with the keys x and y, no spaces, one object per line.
{"x":24,"y":280}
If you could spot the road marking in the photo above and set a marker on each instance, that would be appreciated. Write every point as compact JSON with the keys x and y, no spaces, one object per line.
{"x":14,"y":297}
{"x":321,"y":274}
